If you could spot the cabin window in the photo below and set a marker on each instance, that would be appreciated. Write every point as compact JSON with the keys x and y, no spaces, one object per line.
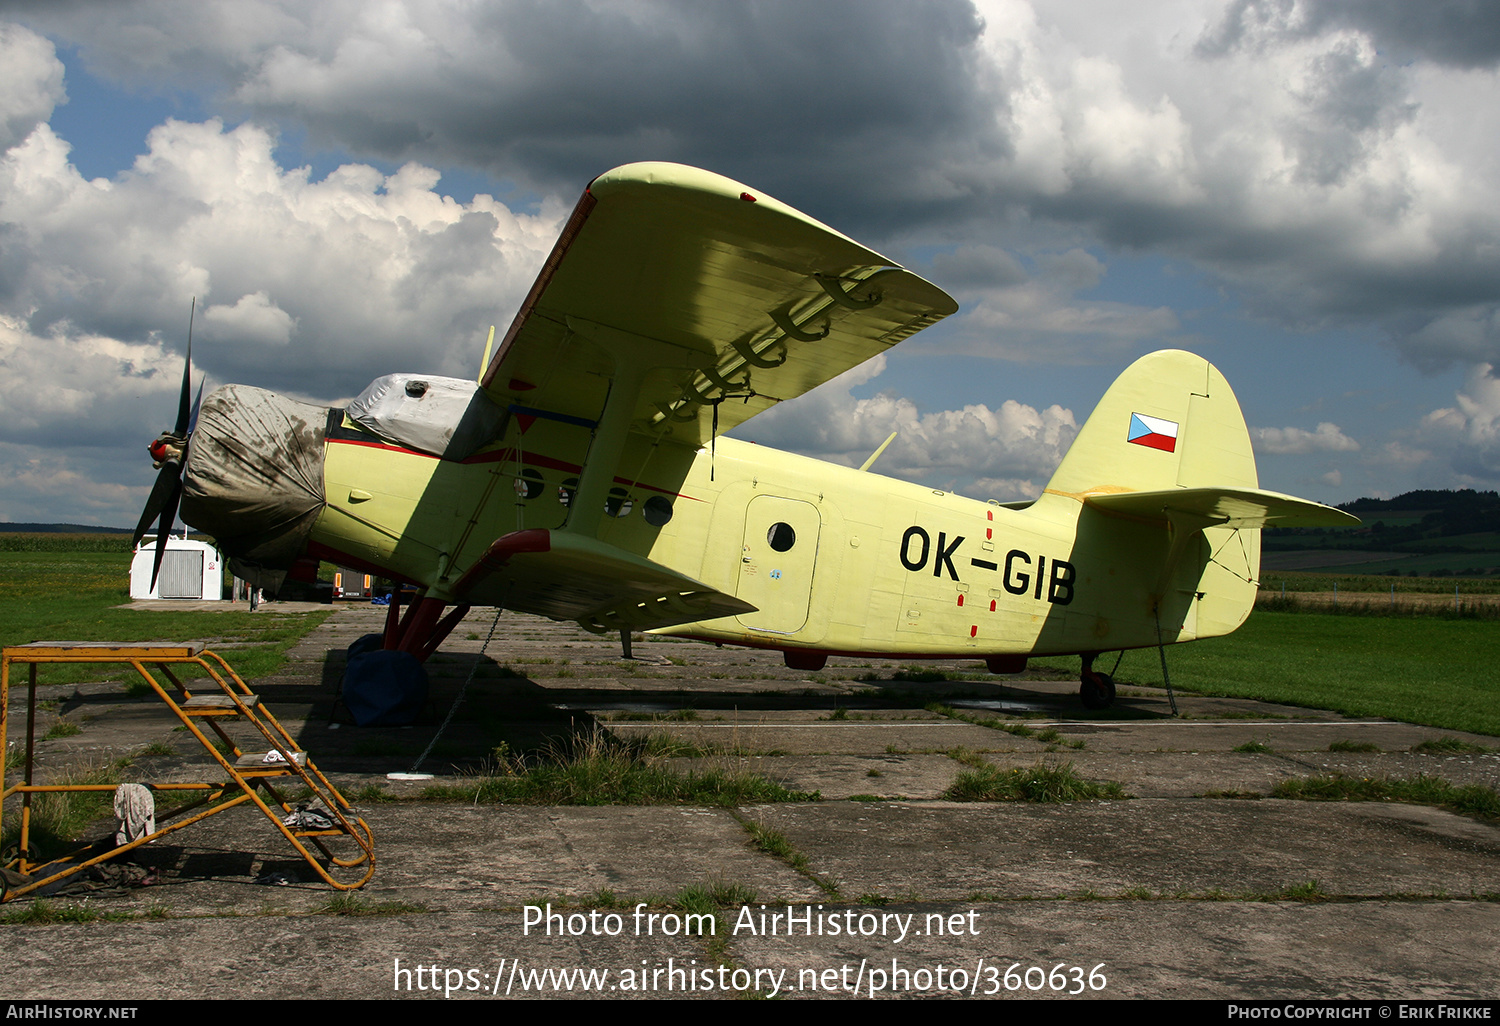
{"x":619,"y":503}
{"x":529,"y":484}
{"x":781,"y":537}
{"x":657,"y":510}
{"x":566,"y":491}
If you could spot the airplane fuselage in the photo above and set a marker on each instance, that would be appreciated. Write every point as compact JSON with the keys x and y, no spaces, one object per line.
{"x":835,"y":560}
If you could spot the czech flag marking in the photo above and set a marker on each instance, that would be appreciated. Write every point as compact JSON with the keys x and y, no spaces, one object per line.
{"x":1152,"y":432}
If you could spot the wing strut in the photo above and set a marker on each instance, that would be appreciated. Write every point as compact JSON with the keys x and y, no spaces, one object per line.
{"x":635,"y":357}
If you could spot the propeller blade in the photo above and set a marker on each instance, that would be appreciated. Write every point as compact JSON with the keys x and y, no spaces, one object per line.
{"x":197,"y":405}
{"x":187,"y":374}
{"x":161,"y":491}
{"x":163,"y":529}
{"x":169,"y":451}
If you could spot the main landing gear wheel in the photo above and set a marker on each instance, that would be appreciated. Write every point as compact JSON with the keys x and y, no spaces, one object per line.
{"x":1097,"y":690}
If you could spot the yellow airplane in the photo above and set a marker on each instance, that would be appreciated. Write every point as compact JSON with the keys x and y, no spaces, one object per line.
{"x":583,"y":476}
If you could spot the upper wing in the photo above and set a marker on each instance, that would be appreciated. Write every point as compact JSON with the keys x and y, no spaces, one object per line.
{"x":754,"y":302}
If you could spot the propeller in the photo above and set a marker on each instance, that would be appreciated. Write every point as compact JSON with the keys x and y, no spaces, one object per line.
{"x":168,"y":452}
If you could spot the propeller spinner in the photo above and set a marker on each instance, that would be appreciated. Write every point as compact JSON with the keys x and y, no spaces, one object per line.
{"x":168,"y":453}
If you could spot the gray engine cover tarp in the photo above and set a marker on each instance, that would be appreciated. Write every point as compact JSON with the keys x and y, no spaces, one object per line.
{"x":448,"y":417}
{"x":254,"y":474}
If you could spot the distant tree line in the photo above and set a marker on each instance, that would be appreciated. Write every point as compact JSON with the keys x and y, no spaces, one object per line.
{"x":1445,"y":514}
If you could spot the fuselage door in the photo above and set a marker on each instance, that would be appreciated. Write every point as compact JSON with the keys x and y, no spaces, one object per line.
{"x":779,"y":552}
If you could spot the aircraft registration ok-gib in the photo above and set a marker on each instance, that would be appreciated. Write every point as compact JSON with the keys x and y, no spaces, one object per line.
{"x":581,"y":477}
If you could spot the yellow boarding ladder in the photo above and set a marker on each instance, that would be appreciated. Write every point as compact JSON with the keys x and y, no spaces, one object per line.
{"x":241,"y":777}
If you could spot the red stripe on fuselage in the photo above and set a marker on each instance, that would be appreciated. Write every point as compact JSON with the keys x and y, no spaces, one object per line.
{"x":510,"y":455}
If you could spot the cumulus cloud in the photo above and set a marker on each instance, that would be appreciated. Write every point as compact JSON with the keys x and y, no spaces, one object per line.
{"x":76,"y":413}
{"x":253,"y":319}
{"x":1327,"y":162}
{"x":1467,"y":435}
{"x":83,"y":390}
{"x":1276,"y":143}
{"x":1299,"y":441}
{"x":31,"y":83}
{"x":1462,"y":33}
{"x":1007,"y":452}
{"x":353,"y":275}
{"x":1039,"y":315}
{"x":40,"y":481}
{"x":361,"y":272}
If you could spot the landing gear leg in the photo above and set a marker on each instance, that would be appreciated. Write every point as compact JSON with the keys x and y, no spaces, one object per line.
{"x":385,"y":683}
{"x":1097,"y":690}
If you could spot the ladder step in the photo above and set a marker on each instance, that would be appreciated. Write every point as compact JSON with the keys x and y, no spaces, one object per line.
{"x":257,"y":761}
{"x":218,"y":703}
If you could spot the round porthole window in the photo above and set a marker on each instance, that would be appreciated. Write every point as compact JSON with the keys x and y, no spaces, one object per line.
{"x":781,"y":537}
{"x":529,"y":484}
{"x":618,"y":503}
{"x":566,"y":491}
{"x":657,"y":510}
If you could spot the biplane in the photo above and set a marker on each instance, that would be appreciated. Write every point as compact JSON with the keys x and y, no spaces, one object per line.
{"x":585,"y":475}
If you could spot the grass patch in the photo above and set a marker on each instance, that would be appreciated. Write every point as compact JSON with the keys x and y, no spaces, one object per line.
{"x":598,"y":769}
{"x":1309,"y":891}
{"x":1253,"y":747}
{"x":371,"y":794}
{"x":707,"y":899}
{"x":156,"y":748}
{"x":658,"y":745}
{"x":1040,"y":783}
{"x":52,"y":593}
{"x":1468,"y":799}
{"x":923,"y":675}
{"x":58,"y":817}
{"x":774,"y":842}
{"x":44,"y":913}
{"x":62,"y":728}
{"x":992,"y":722}
{"x":1430,"y":671}
{"x":1346,"y":745}
{"x":967,"y":756}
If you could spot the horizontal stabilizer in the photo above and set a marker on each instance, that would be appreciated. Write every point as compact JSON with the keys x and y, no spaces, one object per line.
{"x":1224,"y":507}
{"x":569,"y":577}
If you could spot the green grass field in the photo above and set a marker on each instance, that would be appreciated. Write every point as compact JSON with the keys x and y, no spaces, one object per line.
{"x":1423,"y":669}
{"x":1426,"y":670}
{"x":70,"y":594}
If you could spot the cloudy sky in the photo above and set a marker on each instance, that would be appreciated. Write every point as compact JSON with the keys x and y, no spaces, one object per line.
{"x":1302,"y":191}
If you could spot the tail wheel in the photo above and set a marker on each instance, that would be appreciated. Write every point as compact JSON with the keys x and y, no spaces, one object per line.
{"x":1097,"y":690}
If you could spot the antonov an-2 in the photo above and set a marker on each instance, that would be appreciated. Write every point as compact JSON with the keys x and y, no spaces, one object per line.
{"x":583,"y":476}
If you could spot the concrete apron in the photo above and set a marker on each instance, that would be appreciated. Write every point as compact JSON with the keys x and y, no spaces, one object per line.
{"x":884,"y":888}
